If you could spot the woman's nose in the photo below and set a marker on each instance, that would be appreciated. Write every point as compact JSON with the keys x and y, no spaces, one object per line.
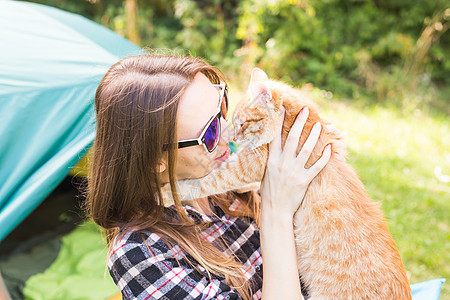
{"x":227,"y":133}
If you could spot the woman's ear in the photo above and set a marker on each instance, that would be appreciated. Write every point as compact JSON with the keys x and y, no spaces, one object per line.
{"x":162,"y":166}
{"x":260,"y":94}
{"x":258,"y":75}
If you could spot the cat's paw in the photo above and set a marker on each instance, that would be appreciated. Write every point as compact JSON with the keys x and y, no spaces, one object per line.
{"x":186,"y":190}
{"x":166,"y":192}
{"x":248,"y":187}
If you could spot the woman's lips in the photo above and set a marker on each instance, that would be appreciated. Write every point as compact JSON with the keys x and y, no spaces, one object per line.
{"x":224,"y":157}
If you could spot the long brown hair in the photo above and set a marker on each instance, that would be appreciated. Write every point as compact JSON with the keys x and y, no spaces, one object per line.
{"x":136,"y":105}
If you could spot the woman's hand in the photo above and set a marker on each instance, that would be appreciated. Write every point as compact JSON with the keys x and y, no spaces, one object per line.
{"x":282,"y":190}
{"x":286,"y":179}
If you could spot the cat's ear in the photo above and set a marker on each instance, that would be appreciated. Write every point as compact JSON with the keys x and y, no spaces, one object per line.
{"x":259,"y":93}
{"x":258,"y":75}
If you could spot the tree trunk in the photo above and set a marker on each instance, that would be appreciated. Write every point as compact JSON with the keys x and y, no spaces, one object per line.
{"x":132,"y":31}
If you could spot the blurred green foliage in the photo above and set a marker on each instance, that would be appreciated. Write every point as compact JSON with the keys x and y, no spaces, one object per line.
{"x":390,"y":49}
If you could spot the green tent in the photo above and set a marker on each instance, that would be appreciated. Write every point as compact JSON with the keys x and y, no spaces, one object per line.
{"x":51,"y":63}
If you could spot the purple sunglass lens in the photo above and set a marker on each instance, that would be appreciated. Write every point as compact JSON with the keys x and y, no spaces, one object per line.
{"x":212,"y":134}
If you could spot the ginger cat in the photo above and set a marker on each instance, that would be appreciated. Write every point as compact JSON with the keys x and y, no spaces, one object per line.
{"x":344,"y":248}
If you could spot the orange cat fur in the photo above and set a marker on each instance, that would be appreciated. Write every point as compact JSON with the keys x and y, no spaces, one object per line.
{"x":344,"y":248}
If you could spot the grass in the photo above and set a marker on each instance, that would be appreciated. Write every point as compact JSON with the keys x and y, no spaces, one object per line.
{"x":397,"y":156}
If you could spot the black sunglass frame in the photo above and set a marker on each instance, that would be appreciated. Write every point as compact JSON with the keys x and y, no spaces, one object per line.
{"x":201,"y":140}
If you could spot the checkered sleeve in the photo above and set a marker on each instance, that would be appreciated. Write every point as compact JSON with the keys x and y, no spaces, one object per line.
{"x":152,"y":270}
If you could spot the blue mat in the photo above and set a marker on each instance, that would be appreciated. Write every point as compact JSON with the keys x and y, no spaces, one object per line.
{"x":427,"y":290}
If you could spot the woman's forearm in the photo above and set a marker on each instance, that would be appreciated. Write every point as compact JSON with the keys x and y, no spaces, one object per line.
{"x":283,"y":187}
{"x":280,"y":274}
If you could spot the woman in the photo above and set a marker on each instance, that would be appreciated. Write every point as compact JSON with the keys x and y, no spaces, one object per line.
{"x":211,"y":248}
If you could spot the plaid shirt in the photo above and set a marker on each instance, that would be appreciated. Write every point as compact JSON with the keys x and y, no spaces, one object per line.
{"x":155,"y":271}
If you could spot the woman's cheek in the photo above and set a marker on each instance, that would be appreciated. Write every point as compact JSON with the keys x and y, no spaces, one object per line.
{"x":195,"y":164}
{"x":204,"y":164}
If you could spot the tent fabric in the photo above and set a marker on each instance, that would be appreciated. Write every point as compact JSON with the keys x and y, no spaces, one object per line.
{"x":18,"y":268}
{"x":79,"y":271}
{"x":51,"y":64}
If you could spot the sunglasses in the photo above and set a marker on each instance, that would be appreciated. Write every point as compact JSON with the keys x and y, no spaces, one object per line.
{"x":210,"y":135}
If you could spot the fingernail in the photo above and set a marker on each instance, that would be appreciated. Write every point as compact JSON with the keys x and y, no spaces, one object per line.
{"x":305,"y":111}
{"x":317,"y":125}
{"x":328,"y":147}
